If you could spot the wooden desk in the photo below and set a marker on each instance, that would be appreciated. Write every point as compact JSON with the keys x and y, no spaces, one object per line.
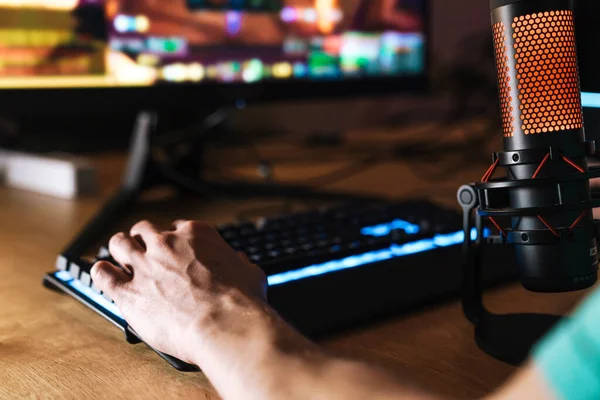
{"x":53,"y":347}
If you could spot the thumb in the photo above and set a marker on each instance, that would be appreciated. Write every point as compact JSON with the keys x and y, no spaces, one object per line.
{"x":109,"y":278}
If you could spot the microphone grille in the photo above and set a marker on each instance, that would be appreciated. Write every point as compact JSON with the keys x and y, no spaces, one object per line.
{"x":546,"y":70}
{"x":502,"y":62}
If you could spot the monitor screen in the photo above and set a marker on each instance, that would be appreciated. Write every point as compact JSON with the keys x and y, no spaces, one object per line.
{"x":587,"y":18}
{"x":122,"y":43}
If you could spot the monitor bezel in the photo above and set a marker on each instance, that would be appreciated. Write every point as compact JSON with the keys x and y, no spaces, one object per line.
{"x":189,"y":96}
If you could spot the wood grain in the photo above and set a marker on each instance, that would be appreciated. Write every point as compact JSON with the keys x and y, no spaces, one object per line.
{"x":53,"y":347}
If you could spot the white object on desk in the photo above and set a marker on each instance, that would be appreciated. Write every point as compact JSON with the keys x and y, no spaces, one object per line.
{"x":58,"y":175}
{"x":3,"y":162}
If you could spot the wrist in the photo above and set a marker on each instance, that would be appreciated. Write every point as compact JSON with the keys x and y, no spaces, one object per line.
{"x":241,"y":343}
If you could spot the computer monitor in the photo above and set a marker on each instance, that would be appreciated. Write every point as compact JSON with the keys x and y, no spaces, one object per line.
{"x":57,"y":54}
{"x":587,"y":18}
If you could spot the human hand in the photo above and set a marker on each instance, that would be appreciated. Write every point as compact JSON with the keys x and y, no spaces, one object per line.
{"x":189,"y":295}
{"x":182,"y":284}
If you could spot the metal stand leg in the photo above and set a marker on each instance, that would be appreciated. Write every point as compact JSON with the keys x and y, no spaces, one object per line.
{"x":508,"y":338}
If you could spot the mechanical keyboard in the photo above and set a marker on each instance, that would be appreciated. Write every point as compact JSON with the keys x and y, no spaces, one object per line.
{"x":333,"y":268}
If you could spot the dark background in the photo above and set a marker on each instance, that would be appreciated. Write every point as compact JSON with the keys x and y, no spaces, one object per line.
{"x":463,"y":85}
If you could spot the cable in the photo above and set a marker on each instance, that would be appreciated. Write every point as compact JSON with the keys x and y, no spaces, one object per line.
{"x":329,"y":178}
{"x":193,"y":185}
{"x":428,"y":151}
{"x":421,"y":156}
{"x":342,"y":173}
{"x":195,"y":132}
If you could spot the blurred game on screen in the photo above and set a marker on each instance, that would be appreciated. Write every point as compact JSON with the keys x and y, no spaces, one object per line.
{"x":145,"y":42}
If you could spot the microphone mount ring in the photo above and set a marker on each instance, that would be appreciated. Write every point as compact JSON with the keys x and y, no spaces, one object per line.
{"x":537,"y":237}
{"x":593,"y":172}
{"x":536,"y":156}
{"x":533,"y":211}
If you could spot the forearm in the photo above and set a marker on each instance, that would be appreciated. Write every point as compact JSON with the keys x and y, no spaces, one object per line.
{"x":528,"y":383}
{"x":255,"y":355}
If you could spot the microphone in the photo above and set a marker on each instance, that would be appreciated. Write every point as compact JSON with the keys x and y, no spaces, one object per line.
{"x":546,"y":193}
{"x":543,"y":207}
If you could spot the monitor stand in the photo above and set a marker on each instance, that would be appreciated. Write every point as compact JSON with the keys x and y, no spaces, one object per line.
{"x":144,"y":172}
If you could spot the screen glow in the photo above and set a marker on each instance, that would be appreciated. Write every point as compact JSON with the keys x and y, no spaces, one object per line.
{"x":41,"y":4}
{"x":117,"y":43}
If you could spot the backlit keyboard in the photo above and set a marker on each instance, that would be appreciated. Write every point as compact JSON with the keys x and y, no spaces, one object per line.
{"x":332,"y":268}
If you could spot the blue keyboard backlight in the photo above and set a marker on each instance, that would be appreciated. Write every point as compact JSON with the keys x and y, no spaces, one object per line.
{"x":394,"y":251}
{"x":385,"y":229}
{"x":590,"y":100}
{"x":88,"y":292}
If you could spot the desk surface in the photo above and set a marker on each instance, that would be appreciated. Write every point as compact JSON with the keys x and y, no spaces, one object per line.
{"x":53,"y":347}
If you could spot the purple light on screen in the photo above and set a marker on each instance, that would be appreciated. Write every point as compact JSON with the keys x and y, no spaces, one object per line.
{"x":91,"y":3}
{"x":234,"y":22}
{"x":289,"y":14}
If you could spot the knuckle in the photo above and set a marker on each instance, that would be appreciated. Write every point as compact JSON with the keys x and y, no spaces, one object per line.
{"x":154,"y":241}
{"x":105,"y":280}
{"x":142,"y":224}
{"x":100,"y":266}
{"x":99,"y":272}
{"x":187,"y":225}
{"x":161,"y":240}
{"x":117,"y":239}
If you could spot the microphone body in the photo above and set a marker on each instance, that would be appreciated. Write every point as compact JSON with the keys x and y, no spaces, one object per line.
{"x":540,"y":99}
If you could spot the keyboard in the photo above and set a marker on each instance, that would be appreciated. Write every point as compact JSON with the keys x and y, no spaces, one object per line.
{"x":334,"y":268}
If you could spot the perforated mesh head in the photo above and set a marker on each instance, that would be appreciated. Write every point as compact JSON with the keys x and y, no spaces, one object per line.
{"x":506,"y":107}
{"x":545,"y":62}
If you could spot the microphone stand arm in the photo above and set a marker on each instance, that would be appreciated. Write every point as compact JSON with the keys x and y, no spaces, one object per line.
{"x":507,"y":337}
{"x":472,"y":290}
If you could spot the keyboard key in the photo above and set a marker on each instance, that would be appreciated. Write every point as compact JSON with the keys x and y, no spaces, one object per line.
{"x":236,"y":244}
{"x":307,"y":246}
{"x":247,"y":229}
{"x":74,"y":270}
{"x":290,"y":250}
{"x":62,"y":263}
{"x":229,"y":234}
{"x":103,"y":253}
{"x":256,"y":258}
{"x":85,"y":279}
{"x":251,"y":250}
{"x":322,"y":244}
{"x":96,"y":289}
